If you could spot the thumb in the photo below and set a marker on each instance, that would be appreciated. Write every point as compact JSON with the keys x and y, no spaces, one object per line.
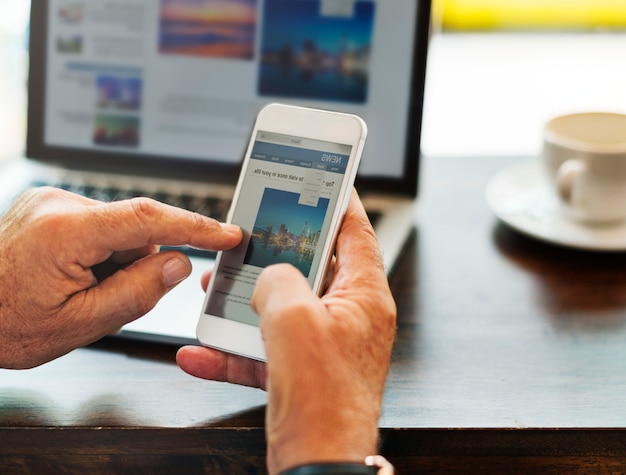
{"x":276,"y":307}
{"x":269,"y":298}
{"x":133,"y":291}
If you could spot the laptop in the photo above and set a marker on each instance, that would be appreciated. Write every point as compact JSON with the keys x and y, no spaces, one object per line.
{"x":157,"y":98}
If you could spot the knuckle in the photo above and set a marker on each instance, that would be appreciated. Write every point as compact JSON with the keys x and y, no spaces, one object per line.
{"x":294,"y":314}
{"x":32,"y":200}
{"x":143,"y":205}
{"x":145,"y":209}
{"x":39,"y":194}
{"x":200,"y":222}
{"x":44,"y":210}
{"x":143,"y":299}
{"x":44,"y":193}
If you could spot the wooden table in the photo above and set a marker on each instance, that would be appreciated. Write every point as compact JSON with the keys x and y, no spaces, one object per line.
{"x":510,"y":358}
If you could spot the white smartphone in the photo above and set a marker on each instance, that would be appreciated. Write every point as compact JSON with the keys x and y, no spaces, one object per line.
{"x":292,"y":194}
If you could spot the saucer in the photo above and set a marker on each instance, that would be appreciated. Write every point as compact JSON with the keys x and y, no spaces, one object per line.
{"x":521,"y":197}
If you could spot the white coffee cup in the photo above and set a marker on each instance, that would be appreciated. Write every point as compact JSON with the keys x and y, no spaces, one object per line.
{"x":585,"y":157}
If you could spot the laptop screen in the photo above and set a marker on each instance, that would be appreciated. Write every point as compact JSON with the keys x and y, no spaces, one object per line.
{"x":151,"y":82}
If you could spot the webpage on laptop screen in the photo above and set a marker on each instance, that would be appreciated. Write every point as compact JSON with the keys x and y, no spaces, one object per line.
{"x":186,"y":78}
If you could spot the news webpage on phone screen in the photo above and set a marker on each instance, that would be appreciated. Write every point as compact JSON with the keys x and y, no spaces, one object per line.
{"x":290,"y":189}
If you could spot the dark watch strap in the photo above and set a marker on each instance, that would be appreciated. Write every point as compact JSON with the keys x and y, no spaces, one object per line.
{"x":337,"y":468}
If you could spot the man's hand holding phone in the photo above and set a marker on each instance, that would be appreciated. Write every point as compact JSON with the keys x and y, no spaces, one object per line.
{"x":293,"y":191}
{"x":327,"y":357}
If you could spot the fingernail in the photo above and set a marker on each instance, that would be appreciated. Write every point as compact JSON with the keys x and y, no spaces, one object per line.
{"x":174,"y":271}
{"x":231,"y":228}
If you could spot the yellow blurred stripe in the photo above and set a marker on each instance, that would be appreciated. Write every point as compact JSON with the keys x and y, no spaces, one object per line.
{"x":519,"y":14}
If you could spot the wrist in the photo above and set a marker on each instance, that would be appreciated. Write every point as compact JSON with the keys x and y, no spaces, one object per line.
{"x":332,"y":468}
{"x":322,"y":440}
{"x":374,"y":465}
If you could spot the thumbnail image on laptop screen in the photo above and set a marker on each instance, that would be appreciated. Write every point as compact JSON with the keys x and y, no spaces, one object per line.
{"x":184,"y":79}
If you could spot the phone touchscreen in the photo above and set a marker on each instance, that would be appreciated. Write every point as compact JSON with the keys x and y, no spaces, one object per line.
{"x":290,"y":191}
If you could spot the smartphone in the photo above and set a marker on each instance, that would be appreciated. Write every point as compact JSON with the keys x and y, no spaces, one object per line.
{"x":295,"y":183}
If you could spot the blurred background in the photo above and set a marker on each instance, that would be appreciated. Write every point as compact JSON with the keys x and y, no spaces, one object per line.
{"x":498,"y":69}
{"x":13,"y":66}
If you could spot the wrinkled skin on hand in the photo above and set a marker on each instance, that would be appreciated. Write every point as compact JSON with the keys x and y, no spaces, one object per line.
{"x":73,"y":270}
{"x":327,"y":357}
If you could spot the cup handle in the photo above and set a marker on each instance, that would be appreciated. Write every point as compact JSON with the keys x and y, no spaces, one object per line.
{"x":567,"y":177}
